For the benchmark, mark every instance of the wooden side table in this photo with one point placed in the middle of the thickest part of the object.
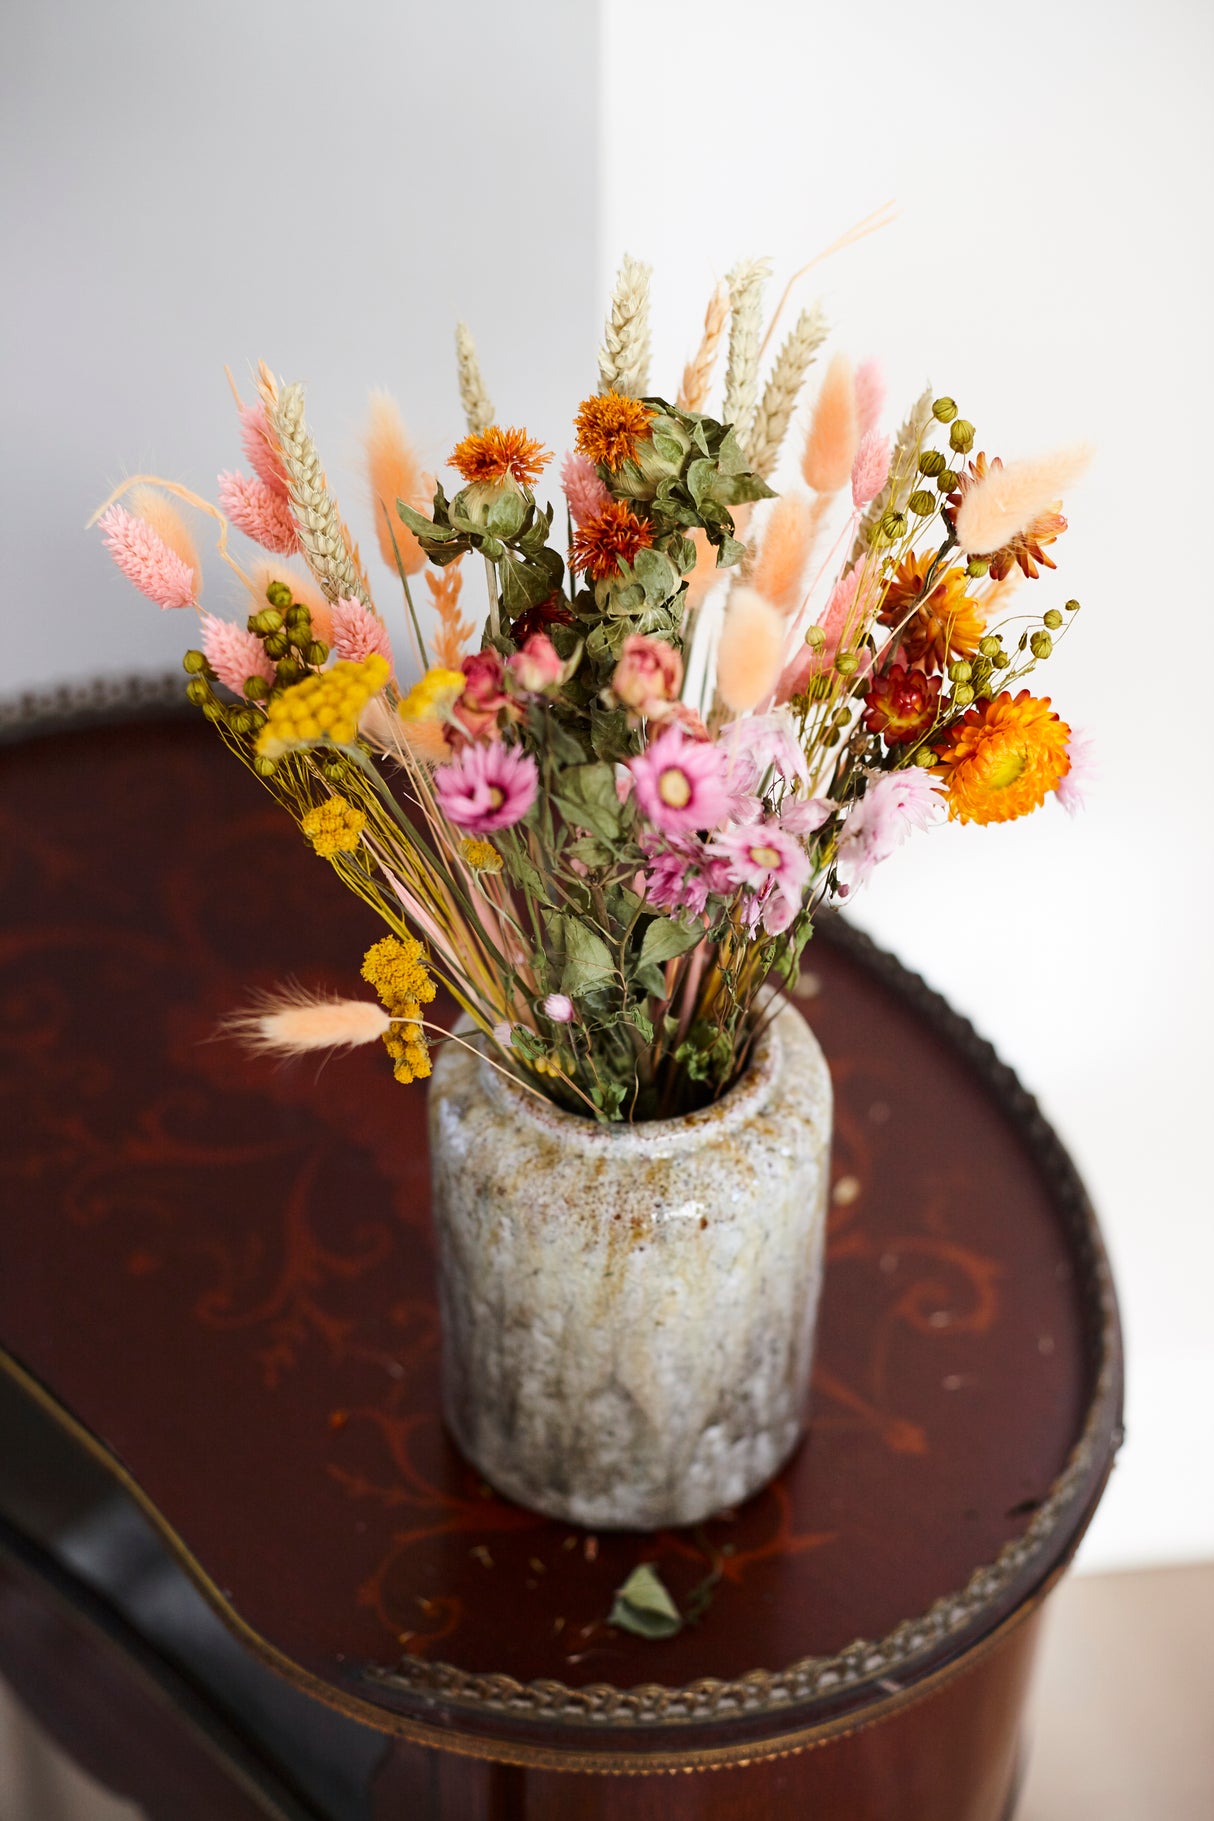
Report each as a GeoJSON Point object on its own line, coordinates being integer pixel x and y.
{"type": "Point", "coordinates": [220, 1341]}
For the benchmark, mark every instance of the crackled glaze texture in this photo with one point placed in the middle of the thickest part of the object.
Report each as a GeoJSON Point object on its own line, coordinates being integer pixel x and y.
{"type": "Point", "coordinates": [628, 1311]}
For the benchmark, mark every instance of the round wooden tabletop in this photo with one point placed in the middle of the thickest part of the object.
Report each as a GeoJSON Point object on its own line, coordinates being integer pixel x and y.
{"type": "Point", "coordinates": [218, 1273]}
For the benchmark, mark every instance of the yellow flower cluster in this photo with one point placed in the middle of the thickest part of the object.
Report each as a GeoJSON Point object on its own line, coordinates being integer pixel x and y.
{"type": "Point", "coordinates": [433, 696]}
{"type": "Point", "coordinates": [323, 709]}
{"type": "Point", "coordinates": [480, 855]}
{"type": "Point", "coordinates": [334, 826]}
{"type": "Point", "coordinates": [396, 968]}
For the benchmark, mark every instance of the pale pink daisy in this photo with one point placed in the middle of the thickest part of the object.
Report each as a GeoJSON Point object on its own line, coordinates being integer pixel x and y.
{"type": "Point", "coordinates": [895, 803]}
{"type": "Point", "coordinates": [487, 787]}
{"type": "Point", "coordinates": [1073, 789]}
{"type": "Point", "coordinates": [772, 862]}
{"type": "Point", "coordinates": [584, 488]}
{"type": "Point", "coordinates": [234, 653]}
{"type": "Point", "coordinates": [145, 559]}
{"type": "Point", "coordinates": [261, 449]}
{"type": "Point", "coordinates": [259, 512]}
{"type": "Point", "coordinates": [357, 632]}
{"type": "Point", "coordinates": [559, 1007]}
{"type": "Point", "coordinates": [680, 783]}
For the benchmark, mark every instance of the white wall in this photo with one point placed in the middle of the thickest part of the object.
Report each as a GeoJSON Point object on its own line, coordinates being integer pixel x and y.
{"type": "Point", "coordinates": [329, 187]}
{"type": "Point", "coordinates": [1050, 266]}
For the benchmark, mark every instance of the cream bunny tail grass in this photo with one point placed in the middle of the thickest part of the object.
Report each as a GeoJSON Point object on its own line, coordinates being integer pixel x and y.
{"type": "Point", "coordinates": [291, 1022]}
{"type": "Point", "coordinates": [624, 356]}
{"type": "Point", "coordinates": [478, 406]}
{"type": "Point", "coordinates": [1007, 499]}
{"type": "Point", "coordinates": [330, 552]}
{"type": "Point", "coordinates": [746, 286]}
{"type": "Point", "coordinates": [697, 374]}
{"type": "Point", "coordinates": [903, 473]}
{"type": "Point", "coordinates": [751, 650]}
{"type": "Point", "coordinates": [783, 389]}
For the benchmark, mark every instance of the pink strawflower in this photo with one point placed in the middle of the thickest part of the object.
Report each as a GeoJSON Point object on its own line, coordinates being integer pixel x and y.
{"type": "Point", "coordinates": [537, 666]}
{"type": "Point", "coordinates": [261, 449]}
{"type": "Point", "coordinates": [559, 1007]}
{"type": "Point", "coordinates": [869, 383]}
{"type": "Point", "coordinates": [895, 803]}
{"type": "Point", "coordinates": [584, 490]}
{"type": "Point", "coordinates": [772, 862]}
{"type": "Point", "coordinates": [234, 653]}
{"type": "Point", "coordinates": [682, 874]}
{"type": "Point", "coordinates": [357, 632]}
{"type": "Point", "coordinates": [870, 470]}
{"type": "Point", "coordinates": [487, 787]}
{"type": "Point", "coordinates": [680, 783]}
{"type": "Point", "coordinates": [1072, 791]}
{"type": "Point", "coordinates": [648, 676]}
{"type": "Point", "coordinates": [759, 744]}
{"type": "Point", "coordinates": [805, 815]}
{"type": "Point", "coordinates": [145, 559]}
{"type": "Point", "coordinates": [259, 512]}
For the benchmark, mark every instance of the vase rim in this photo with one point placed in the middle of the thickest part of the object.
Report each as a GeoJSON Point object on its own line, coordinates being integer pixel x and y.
{"type": "Point", "coordinates": [748, 1095]}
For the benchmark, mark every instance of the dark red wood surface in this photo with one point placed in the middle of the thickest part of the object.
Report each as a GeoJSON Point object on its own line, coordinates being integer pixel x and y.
{"type": "Point", "coordinates": [223, 1268]}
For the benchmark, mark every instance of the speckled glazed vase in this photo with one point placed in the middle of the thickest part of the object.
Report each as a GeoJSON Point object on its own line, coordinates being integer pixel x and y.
{"type": "Point", "coordinates": [628, 1311]}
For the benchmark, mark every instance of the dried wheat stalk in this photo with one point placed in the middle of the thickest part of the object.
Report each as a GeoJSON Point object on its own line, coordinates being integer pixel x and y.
{"type": "Point", "coordinates": [624, 356]}
{"type": "Point", "coordinates": [783, 388]}
{"type": "Point", "coordinates": [697, 374]}
{"type": "Point", "coordinates": [478, 407]}
{"type": "Point", "coordinates": [746, 283]}
{"type": "Point", "coordinates": [331, 553]}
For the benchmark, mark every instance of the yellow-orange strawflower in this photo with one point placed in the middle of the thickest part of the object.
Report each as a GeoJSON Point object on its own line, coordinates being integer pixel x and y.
{"type": "Point", "coordinates": [1002, 758]}
{"type": "Point", "coordinates": [609, 426]}
{"type": "Point", "coordinates": [943, 624]}
{"type": "Point", "coordinates": [498, 455]}
{"type": "Point", "coordinates": [611, 537]}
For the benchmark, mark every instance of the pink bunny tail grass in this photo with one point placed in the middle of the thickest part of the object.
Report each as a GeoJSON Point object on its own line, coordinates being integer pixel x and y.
{"type": "Point", "coordinates": [292, 1022]}
{"type": "Point", "coordinates": [162, 515]}
{"type": "Point", "coordinates": [834, 434]}
{"type": "Point", "coordinates": [303, 589]}
{"type": "Point", "coordinates": [784, 553]}
{"type": "Point", "coordinates": [869, 385]}
{"type": "Point", "coordinates": [750, 651]}
{"type": "Point", "coordinates": [259, 512]}
{"type": "Point", "coordinates": [261, 450]}
{"type": "Point", "coordinates": [145, 559]}
{"type": "Point", "coordinates": [870, 470]}
{"type": "Point", "coordinates": [393, 474]}
{"type": "Point", "coordinates": [234, 653]}
{"type": "Point", "coordinates": [840, 624]}
{"type": "Point", "coordinates": [583, 488]}
{"type": "Point", "coordinates": [1006, 500]}
{"type": "Point", "coordinates": [357, 632]}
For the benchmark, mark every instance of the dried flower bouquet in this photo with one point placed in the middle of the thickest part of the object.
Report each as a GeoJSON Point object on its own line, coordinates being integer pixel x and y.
{"type": "Point", "coordinates": [696, 712]}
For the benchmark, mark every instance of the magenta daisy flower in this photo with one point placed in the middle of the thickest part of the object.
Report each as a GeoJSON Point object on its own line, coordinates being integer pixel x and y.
{"type": "Point", "coordinates": [771, 862]}
{"type": "Point", "coordinates": [487, 787]}
{"type": "Point", "coordinates": [680, 783]}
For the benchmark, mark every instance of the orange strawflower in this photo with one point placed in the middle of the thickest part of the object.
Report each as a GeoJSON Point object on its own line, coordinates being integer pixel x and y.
{"type": "Point", "coordinates": [1028, 547]}
{"type": "Point", "coordinates": [495, 455]}
{"type": "Point", "coordinates": [609, 427]}
{"type": "Point", "coordinates": [613, 536]}
{"type": "Point", "coordinates": [1000, 760]}
{"type": "Point", "coordinates": [945, 623]}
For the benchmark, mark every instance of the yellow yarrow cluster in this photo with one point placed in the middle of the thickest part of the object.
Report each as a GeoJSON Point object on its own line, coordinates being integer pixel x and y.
{"type": "Point", "coordinates": [324, 709]}
{"type": "Point", "coordinates": [396, 968]}
{"type": "Point", "coordinates": [480, 855]}
{"type": "Point", "coordinates": [433, 696]}
{"type": "Point", "coordinates": [334, 826]}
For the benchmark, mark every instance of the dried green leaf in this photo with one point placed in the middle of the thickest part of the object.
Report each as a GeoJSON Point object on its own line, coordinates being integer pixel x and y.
{"type": "Point", "coordinates": [643, 1606]}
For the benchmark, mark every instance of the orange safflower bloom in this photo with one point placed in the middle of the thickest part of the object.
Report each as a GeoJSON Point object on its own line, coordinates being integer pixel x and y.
{"type": "Point", "coordinates": [609, 426]}
{"type": "Point", "coordinates": [1002, 758]}
{"type": "Point", "coordinates": [1028, 547]}
{"type": "Point", "coordinates": [945, 623]}
{"type": "Point", "coordinates": [495, 455]}
{"type": "Point", "coordinates": [611, 537]}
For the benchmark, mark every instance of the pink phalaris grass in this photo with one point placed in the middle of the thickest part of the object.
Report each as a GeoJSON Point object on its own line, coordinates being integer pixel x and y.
{"type": "Point", "coordinates": [788, 538]}
{"type": "Point", "coordinates": [235, 653]}
{"type": "Point", "coordinates": [869, 387]}
{"type": "Point", "coordinates": [393, 473]}
{"type": "Point", "coordinates": [840, 625]}
{"type": "Point", "coordinates": [834, 433]}
{"type": "Point", "coordinates": [357, 632]}
{"type": "Point", "coordinates": [750, 651]}
{"type": "Point", "coordinates": [291, 1022]}
{"type": "Point", "coordinates": [584, 489]}
{"type": "Point", "coordinates": [870, 470]}
{"type": "Point", "coordinates": [259, 512]}
{"type": "Point", "coordinates": [261, 450]}
{"type": "Point", "coordinates": [1007, 499]}
{"type": "Point", "coordinates": [146, 559]}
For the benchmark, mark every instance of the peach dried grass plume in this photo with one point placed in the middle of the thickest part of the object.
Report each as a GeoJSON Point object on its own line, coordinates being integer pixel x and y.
{"type": "Point", "coordinates": [393, 473]}
{"type": "Point", "coordinates": [292, 1021]}
{"type": "Point", "coordinates": [1007, 500]}
{"type": "Point", "coordinates": [750, 652]}
{"type": "Point", "coordinates": [784, 553]}
{"type": "Point", "coordinates": [453, 630]}
{"type": "Point", "coordinates": [834, 432]}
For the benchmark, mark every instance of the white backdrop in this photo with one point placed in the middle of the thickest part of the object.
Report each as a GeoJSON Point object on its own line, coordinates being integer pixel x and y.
{"type": "Point", "coordinates": [331, 187]}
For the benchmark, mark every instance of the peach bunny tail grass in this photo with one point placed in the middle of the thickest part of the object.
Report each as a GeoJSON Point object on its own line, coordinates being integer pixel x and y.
{"type": "Point", "coordinates": [834, 432]}
{"type": "Point", "coordinates": [158, 512]}
{"type": "Point", "coordinates": [1006, 500]}
{"type": "Point", "coordinates": [787, 541]}
{"type": "Point", "coordinates": [393, 473]}
{"type": "Point", "coordinates": [749, 655]}
{"type": "Point", "coordinates": [293, 1022]}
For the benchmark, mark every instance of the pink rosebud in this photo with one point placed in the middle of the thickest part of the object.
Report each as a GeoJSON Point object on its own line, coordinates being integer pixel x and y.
{"type": "Point", "coordinates": [538, 665]}
{"type": "Point", "coordinates": [559, 1007]}
{"type": "Point", "coordinates": [648, 676]}
{"type": "Point", "coordinates": [483, 698]}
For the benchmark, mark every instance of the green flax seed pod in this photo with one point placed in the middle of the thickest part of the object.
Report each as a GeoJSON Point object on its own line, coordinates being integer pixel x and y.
{"type": "Point", "coordinates": [961, 436]}
{"type": "Point", "coordinates": [198, 691]}
{"type": "Point", "coordinates": [194, 663]}
{"type": "Point", "coordinates": [963, 695]}
{"type": "Point", "coordinates": [990, 645]}
{"type": "Point", "coordinates": [930, 463]}
{"type": "Point", "coordinates": [921, 503]}
{"type": "Point", "coordinates": [256, 689]}
{"type": "Point", "coordinates": [960, 671]}
{"type": "Point", "coordinates": [289, 672]}
{"type": "Point", "coordinates": [1071, 606]}
{"type": "Point", "coordinates": [279, 595]}
{"type": "Point", "coordinates": [944, 410]}
{"type": "Point", "coordinates": [891, 528]}
{"type": "Point", "coordinates": [316, 653]}
{"type": "Point", "coordinates": [299, 623]}
{"type": "Point", "coordinates": [976, 567]}
{"type": "Point", "coordinates": [815, 638]}
{"type": "Point", "coordinates": [265, 768]}
{"type": "Point", "coordinates": [947, 479]}
{"type": "Point", "coordinates": [1041, 644]}
{"type": "Point", "coordinates": [277, 644]}
{"type": "Point", "coordinates": [1053, 619]}
{"type": "Point", "coordinates": [1001, 660]}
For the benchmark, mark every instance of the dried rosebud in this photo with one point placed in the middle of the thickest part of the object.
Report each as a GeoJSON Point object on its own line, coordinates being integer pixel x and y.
{"type": "Point", "coordinates": [538, 665]}
{"type": "Point", "coordinates": [901, 705]}
{"type": "Point", "coordinates": [483, 698]}
{"type": "Point", "coordinates": [648, 676]}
